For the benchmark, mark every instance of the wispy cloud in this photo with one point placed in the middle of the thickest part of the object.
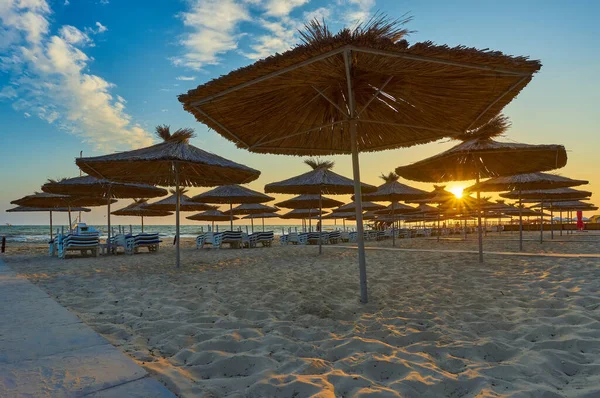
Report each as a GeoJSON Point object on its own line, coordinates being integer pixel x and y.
{"type": "Point", "coordinates": [214, 26]}
{"type": "Point", "coordinates": [48, 74]}
{"type": "Point", "coordinates": [187, 78]}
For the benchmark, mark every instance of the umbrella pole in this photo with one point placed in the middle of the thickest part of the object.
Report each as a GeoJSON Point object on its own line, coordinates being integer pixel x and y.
{"type": "Point", "coordinates": [520, 223]}
{"type": "Point", "coordinates": [393, 225]}
{"type": "Point", "coordinates": [230, 216]}
{"type": "Point", "coordinates": [263, 223]}
{"type": "Point", "coordinates": [479, 231]}
{"type": "Point", "coordinates": [438, 225]}
{"type": "Point", "coordinates": [108, 221]}
{"type": "Point", "coordinates": [561, 225]}
{"type": "Point", "coordinates": [50, 224]}
{"type": "Point", "coordinates": [344, 223]}
{"type": "Point", "coordinates": [320, 229]}
{"type": "Point", "coordinates": [142, 224]}
{"type": "Point", "coordinates": [177, 205]}
{"type": "Point", "coordinates": [542, 223]}
{"type": "Point", "coordinates": [551, 221]}
{"type": "Point", "coordinates": [69, 208]}
{"type": "Point", "coordinates": [252, 224]}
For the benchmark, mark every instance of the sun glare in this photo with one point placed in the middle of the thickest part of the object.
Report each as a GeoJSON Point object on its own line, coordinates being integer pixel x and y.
{"type": "Point", "coordinates": [457, 191]}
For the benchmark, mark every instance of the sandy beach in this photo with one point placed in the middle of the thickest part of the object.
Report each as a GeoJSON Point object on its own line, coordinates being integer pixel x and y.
{"type": "Point", "coordinates": [286, 322]}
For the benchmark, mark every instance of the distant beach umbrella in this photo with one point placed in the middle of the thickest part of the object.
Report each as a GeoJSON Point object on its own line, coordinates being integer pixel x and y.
{"type": "Point", "coordinates": [396, 208]}
{"type": "Point", "coordinates": [302, 214]}
{"type": "Point", "coordinates": [309, 201]}
{"type": "Point", "coordinates": [480, 156]}
{"type": "Point", "coordinates": [319, 181]}
{"type": "Point", "coordinates": [212, 215]}
{"type": "Point", "coordinates": [524, 182]}
{"type": "Point", "coordinates": [360, 90]}
{"type": "Point", "coordinates": [232, 194]}
{"type": "Point", "coordinates": [346, 215]}
{"type": "Point", "coordinates": [24, 209]}
{"type": "Point", "coordinates": [50, 200]}
{"type": "Point", "coordinates": [351, 207]}
{"type": "Point", "coordinates": [251, 209]}
{"type": "Point", "coordinates": [262, 216]}
{"type": "Point", "coordinates": [96, 187]}
{"type": "Point", "coordinates": [173, 162]}
{"type": "Point", "coordinates": [138, 209]}
{"type": "Point", "coordinates": [185, 203]}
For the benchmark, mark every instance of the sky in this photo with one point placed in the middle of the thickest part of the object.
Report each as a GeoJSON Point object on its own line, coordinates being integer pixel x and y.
{"type": "Point", "coordinates": [98, 75]}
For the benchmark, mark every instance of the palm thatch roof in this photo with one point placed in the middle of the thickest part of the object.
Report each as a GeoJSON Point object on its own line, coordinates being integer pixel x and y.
{"type": "Point", "coordinates": [349, 207]}
{"type": "Point", "coordinates": [480, 156]}
{"type": "Point", "coordinates": [23, 209]}
{"type": "Point", "coordinates": [138, 209]}
{"type": "Point", "coordinates": [397, 208]}
{"type": "Point", "coordinates": [261, 215]}
{"type": "Point", "coordinates": [251, 208]}
{"type": "Point", "coordinates": [309, 202]}
{"type": "Point", "coordinates": [319, 180]}
{"type": "Point", "coordinates": [392, 190]}
{"type": "Point", "coordinates": [232, 194]}
{"type": "Point", "coordinates": [185, 203]}
{"type": "Point", "coordinates": [525, 182]}
{"type": "Point", "coordinates": [346, 214]}
{"type": "Point", "coordinates": [92, 186]}
{"type": "Point", "coordinates": [438, 195]}
{"type": "Point", "coordinates": [157, 164]}
{"type": "Point", "coordinates": [425, 209]}
{"type": "Point", "coordinates": [570, 205]}
{"type": "Point", "coordinates": [302, 213]}
{"type": "Point", "coordinates": [211, 215]}
{"type": "Point", "coordinates": [297, 102]}
{"type": "Point", "coordinates": [548, 194]}
{"type": "Point", "coordinates": [48, 200]}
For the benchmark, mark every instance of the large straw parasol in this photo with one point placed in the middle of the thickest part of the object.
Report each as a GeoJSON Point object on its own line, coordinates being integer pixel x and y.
{"type": "Point", "coordinates": [251, 209]}
{"type": "Point", "coordinates": [173, 162]}
{"type": "Point", "coordinates": [232, 194]}
{"type": "Point", "coordinates": [393, 191]}
{"type": "Point", "coordinates": [362, 89]}
{"type": "Point", "coordinates": [185, 203]}
{"type": "Point", "coordinates": [139, 209]}
{"type": "Point", "coordinates": [320, 180]}
{"type": "Point", "coordinates": [523, 182]}
{"type": "Point", "coordinates": [96, 187]}
{"type": "Point", "coordinates": [262, 216]}
{"type": "Point", "coordinates": [211, 215]}
{"type": "Point", "coordinates": [50, 200]}
{"type": "Point", "coordinates": [480, 156]}
{"type": "Point", "coordinates": [23, 209]}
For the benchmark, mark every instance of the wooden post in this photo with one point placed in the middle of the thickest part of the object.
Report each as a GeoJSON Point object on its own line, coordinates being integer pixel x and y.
{"type": "Point", "coordinates": [177, 205]}
{"type": "Point", "coordinates": [542, 223]}
{"type": "Point", "coordinates": [439, 232]}
{"type": "Point", "coordinates": [263, 224]}
{"type": "Point", "coordinates": [479, 231]}
{"type": "Point", "coordinates": [520, 223]}
{"type": "Point", "coordinates": [51, 225]}
{"type": "Point", "coordinates": [108, 244]}
{"type": "Point", "coordinates": [551, 221]}
{"type": "Point", "coordinates": [252, 223]}
{"type": "Point", "coordinates": [561, 223]}
{"type": "Point", "coordinates": [320, 229]}
{"type": "Point", "coordinates": [69, 208]}
{"type": "Point", "coordinates": [362, 263]}
{"type": "Point", "coordinates": [393, 224]}
{"type": "Point", "coordinates": [3, 245]}
{"type": "Point", "coordinates": [230, 216]}
{"type": "Point", "coordinates": [142, 224]}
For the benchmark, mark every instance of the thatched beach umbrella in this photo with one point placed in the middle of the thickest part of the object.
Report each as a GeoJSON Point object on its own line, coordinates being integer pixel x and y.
{"type": "Point", "coordinates": [339, 215]}
{"type": "Point", "coordinates": [547, 196]}
{"type": "Point", "coordinates": [350, 207]}
{"type": "Point", "coordinates": [232, 194]}
{"type": "Point", "coordinates": [96, 187]}
{"type": "Point", "coordinates": [252, 209]}
{"type": "Point", "coordinates": [138, 209]}
{"type": "Point", "coordinates": [185, 203]}
{"type": "Point", "coordinates": [309, 201]}
{"type": "Point", "coordinates": [173, 162]}
{"type": "Point", "coordinates": [212, 215]}
{"type": "Point", "coordinates": [568, 206]}
{"type": "Point", "coordinates": [262, 216]}
{"type": "Point", "coordinates": [321, 180]}
{"type": "Point", "coordinates": [24, 209]}
{"type": "Point", "coordinates": [524, 182]}
{"type": "Point", "coordinates": [393, 191]}
{"type": "Point", "coordinates": [480, 156]}
{"type": "Point", "coordinates": [50, 200]}
{"type": "Point", "coordinates": [362, 89]}
{"type": "Point", "coordinates": [302, 214]}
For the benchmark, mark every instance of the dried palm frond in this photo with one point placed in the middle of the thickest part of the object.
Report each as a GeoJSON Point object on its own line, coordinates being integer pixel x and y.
{"type": "Point", "coordinates": [390, 177]}
{"type": "Point", "coordinates": [494, 128]}
{"type": "Point", "coordinates": [319, 164]}
{"type": "Point", "coordinates": [181, 191]}
{"type": "Point", "coordinates": [180, 135]}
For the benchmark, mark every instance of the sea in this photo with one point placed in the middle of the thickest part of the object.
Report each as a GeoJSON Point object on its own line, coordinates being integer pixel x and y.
{"type": "Point", "coordinates": [41, 233]}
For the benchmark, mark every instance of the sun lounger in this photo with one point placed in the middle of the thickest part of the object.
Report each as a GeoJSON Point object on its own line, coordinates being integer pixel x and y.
{"type": "Point", "coordinates": [264, 238]}
{"type": "Point", "coordinates": [334, 237]}
{"type": "Point", "coordinates": [209, 238]}
{"type": "Point", "coordinates": [81, 243]}
{"type": "Point", "coordinates": [134, 243]}
{"type": "Point", "coordinates": [234, 238]}
{"type": "Point", "coordinates": [345, 236]}
{"type": "Point", "coordinates": [295, 238]}
{"type": "Point", "coordinates": [313, 238]}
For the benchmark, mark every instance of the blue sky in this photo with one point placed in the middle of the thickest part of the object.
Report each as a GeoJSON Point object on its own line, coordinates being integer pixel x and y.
{"type": "Point", "coordinates": [98, 75]}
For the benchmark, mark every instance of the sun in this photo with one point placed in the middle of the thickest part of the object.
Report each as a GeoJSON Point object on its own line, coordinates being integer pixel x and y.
{"type": "Point", "coordinates": [457, 191]}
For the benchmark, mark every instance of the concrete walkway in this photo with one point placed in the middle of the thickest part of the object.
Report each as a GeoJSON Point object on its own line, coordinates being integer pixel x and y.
{"type": "Point", "coordinates": [46, 351]}
{"type": "Point", "coordinates": [514, 254]}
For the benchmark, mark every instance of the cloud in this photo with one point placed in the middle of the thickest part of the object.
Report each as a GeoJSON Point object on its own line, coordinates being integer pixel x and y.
{"type": "Point", "coordinates": [187, 78]}
{"type": "Point", "coordinates": [50, 74]}
{"type": "Point", "coordinates": [66, 3]}
{"type": "Point", "coordinates": [100, 28]}
{"type": "Point", "coordinates": [214, 26]}
{"type": "Point", "coordinates": [27, 114]}
{"type": "Point", "coordinates": [212, 31]}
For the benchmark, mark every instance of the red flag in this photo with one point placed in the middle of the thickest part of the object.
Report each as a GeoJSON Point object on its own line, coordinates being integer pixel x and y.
{"type": "Point", "coordinates": [580, 225]}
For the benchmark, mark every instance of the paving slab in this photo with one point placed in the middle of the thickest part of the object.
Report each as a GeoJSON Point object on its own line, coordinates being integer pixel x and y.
{"type": "Point", "coordinates": [46, 351]}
